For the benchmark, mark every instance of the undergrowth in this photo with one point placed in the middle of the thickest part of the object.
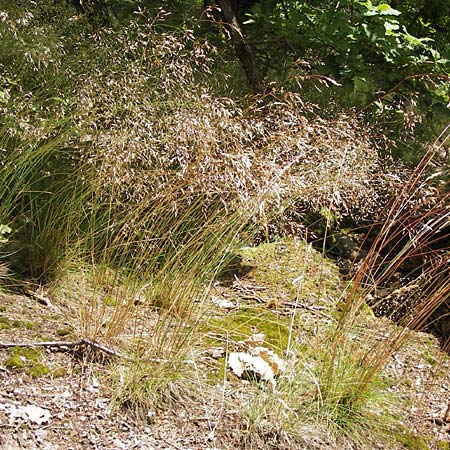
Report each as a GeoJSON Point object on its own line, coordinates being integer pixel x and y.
{"type": "Point", "coordinates": [334, 383]}
{"type": "Point", "coordinates": [130, 185]}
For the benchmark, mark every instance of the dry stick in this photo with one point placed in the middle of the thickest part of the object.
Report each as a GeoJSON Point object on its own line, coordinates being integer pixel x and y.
{"type": "Point", "coordinates": [248, 287]}
{"type": "Point", "coordinates": [66, 344]}
{"type": "Point", "coordinates": [308, 308]}
{"type": "Point", "coordinates": [55, 344]}
{"type": "Point", "coordinates": [408, 77]}
{"type": "Point", "coordinates": [79, 343]}
{"type": "Point", "coordinates": [41, 299]}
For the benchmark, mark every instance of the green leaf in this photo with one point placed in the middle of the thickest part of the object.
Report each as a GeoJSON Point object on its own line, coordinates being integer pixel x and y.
{"type": "Point", "coordinates": [391, 27]}
{"type": "Point", "coordinates": [367, 31]}
{"type": "Point", "coordinates": [385, 10]}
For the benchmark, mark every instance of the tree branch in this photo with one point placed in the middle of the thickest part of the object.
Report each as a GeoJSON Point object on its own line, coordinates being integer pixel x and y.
{"type": "Point", "coordinates": [66, 345]}
{"type": "Point", "coordinates": [397, 85]}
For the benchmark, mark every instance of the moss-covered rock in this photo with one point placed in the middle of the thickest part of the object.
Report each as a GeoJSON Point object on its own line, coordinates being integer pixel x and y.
{"type": "Point", "coordinates": [292, 268]}
{"type": "Point", "coordinates": [282, 273]}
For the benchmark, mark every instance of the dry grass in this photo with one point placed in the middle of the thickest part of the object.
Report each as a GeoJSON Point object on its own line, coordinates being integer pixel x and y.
{"type": "Point", "coordinates": [408, 233]}
{"type": "Point", "coordinates": [131, 204]}
{"type": "Point", "coordinates": [334, 383]}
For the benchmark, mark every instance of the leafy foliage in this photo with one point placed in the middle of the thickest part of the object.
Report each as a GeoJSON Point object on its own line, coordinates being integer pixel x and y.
{"type": "Point", "coordinates": [390, 60]}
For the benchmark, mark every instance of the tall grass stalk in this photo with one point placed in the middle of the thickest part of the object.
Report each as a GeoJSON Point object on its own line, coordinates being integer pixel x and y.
{"type": "Point", "coordinates": [407, 234]}
{"type": "Point", "coordinates": [43, 198]}
{"type": "Point", "coordinates": [334, 379]}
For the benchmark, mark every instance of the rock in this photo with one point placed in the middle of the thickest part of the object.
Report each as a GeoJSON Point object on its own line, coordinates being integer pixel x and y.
{"type": "Point", "coordinates": [29, 413]}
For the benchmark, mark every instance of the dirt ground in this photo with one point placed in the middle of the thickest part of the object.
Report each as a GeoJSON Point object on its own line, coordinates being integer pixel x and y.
{"type": "Point", "coordinates": [58, 400]}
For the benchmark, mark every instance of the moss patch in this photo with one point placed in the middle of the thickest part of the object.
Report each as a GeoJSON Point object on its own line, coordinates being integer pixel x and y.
{"type": "Point", "coordinates": [412, 441]}
{"type": "Point", "coordinates": [27, 359]}
{"type": "Point", "coordinates": [241, 324]}
{"type": "Point", "coordinates": [292, 268]}
{"type": "Point", "coordinates": [22, 357]}
{"type": "Point", "coordinates": [59, 372]}
{"type": "Point", "coordinates": [6, 324]}
{"type": "Point", "coordinates": [23, 324]}
{"type": "Point", "coordinates": [15, 362]}
{"type": "Point", "coordinates": [429, 358]}
{"type": "Point", "coordinates": [38, 370]}
{"type": "Point", "coordinates": [63, 332]}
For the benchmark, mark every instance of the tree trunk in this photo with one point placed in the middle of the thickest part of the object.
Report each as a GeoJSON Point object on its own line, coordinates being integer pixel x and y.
{"type": "Point", "coordinates": [243, 50]}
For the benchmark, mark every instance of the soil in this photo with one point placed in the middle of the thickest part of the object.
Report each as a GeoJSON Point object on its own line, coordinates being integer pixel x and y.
{"type": "Point", "coordinates": [61, 400]}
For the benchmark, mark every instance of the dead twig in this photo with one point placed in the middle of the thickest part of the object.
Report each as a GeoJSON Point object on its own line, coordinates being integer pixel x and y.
{"type": "Point", "coordinates": [66, 345]}
{"type": "Point", "coordinates": [252, 297]}
{"type": "Point", "coordinates": [49, 344]}
{"type": "Point", "coordinates": [248, 292]}
{"type": "Point", "coordinates": [313, 309]}
{"type": "Point", "coordinates": [41, 299]}
{"type": "Point", "coordinates": [247, 287]}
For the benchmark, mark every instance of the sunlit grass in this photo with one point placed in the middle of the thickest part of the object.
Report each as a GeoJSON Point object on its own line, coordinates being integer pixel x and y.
{"type": "Point", "coordinates": [128, 205]}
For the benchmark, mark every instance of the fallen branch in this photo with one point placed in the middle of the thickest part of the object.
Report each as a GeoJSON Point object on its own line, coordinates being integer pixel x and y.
{"type": "Point", "coordinates": [66, 345]}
